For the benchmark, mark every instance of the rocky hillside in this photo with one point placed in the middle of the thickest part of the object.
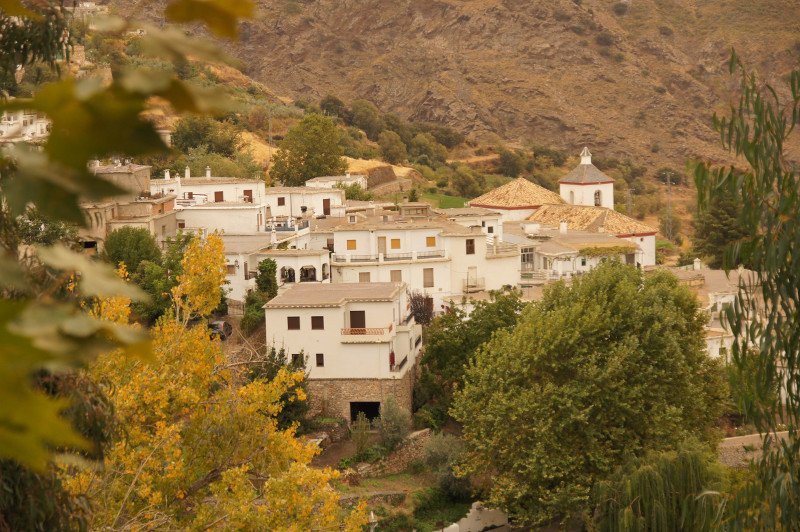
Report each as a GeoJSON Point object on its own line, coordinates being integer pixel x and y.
{"type": "Point", "coordinates": [635, 79]}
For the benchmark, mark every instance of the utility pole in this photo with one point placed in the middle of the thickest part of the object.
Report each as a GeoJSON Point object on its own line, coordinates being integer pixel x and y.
{"type": "Point", "coordinates": [669, 207]}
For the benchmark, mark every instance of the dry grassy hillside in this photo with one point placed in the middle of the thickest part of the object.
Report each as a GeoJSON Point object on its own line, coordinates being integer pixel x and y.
{"type": "Point", "coordinates": [552, 72]}
{"type": "Point", "coordinates": [560, 73]}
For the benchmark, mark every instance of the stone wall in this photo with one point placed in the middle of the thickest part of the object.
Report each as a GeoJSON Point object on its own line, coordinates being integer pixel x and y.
{"type": "Point", "coordinates": [332, 397]}
{"type": "Point", "coordinates": [411, 450]}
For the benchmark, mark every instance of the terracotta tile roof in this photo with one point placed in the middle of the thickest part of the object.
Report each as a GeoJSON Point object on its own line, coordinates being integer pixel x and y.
{"type": "Point", "coordinates": [517, 194]}
{"type": "Point", "coordinates": [585, 174]}
{"type": "Point", "coordinates": [590, 219]}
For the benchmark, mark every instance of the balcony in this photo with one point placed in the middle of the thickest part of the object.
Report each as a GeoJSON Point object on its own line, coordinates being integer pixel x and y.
{"type": "Point", "coordinates": [436, 253]}
{"type": "Point", "coordinates": [398, 367]}
{"type": "Point", "coordinates": [474, 285]}
{"type": "Point", "coordinates": [388, 257]}
{"type": "Point", "coordinates": [366, 335]}
{"type": "Point", "coordinates": [398, 256]}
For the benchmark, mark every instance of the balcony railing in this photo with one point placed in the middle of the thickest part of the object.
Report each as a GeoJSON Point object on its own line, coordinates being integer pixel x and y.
{"type": "Point", "coordinates": [398, 367]}
{"type": "Point", "coordinates": [398, 256]}
{"type": "Point", "coordinates": [363, 331]}
{"type": "Point", "coordinates": [363, 258]}
{"type": "Point", "coordinates": [474, 285]}
{"type": "Point", "coordinates": [430, 254]}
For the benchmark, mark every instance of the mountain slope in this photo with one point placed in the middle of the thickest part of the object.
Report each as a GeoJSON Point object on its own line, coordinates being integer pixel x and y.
{"type": "Point", "coordinates": [560, 73]}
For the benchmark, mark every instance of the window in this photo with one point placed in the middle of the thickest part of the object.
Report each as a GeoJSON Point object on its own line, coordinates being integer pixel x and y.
{"type": "Point", "coordinates": [395, 243]}
{"type": "Point", "coordinates": [281, 202]}
{"type": "Point", "coordinates": [427, 277]}
{"type": "Point", "coordinates": [483, 224]}
{"type": "Point", "coordinates": [351, 245]}
{"type": "Point", "coordinates": [583, 261]}
{"type": "Point", "coordinates": [363, 277]}
{"type": "Point", "coordinates": [231, 269]}
{"type": "Point", "coordinates": [351, 219]}
{"type": "Point", "coordinates": [181, 225]}
{"type": "Point", "coordinates": [297, 359]}
{"type": "Point", "coordinates": [190, 195]}
{"type": "Point", "coordinates": [430, 241]}
{"type": "Point", "coordinates": [470, 246]}
{"type": "Point", "coordinates": [597, 199]}
{"type": "Point", "coordinates": [317, 323]}
{"type": "Point", "coordinates": [218, 196]}
{"type": "Point", "coordinates": [248, 196]}
{"type": "Point", "coordinates": [163, 230]}
{"type": "Point", "coordinates": [490, 229]}
{"type": "Point", "coordinates": [320, 360]}
{"type": "Point", "coordinates": [396, 276]}
{"type": "Point", "coordinates": [293, 323]}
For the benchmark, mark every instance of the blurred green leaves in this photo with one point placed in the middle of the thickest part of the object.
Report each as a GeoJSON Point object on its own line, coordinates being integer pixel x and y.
{"type": "Point", "coordinates": [91, 119]}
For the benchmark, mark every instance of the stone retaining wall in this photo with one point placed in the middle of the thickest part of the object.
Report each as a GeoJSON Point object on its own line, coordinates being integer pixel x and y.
{"type": "Point", "coordinates": [411, 450]}
{"type": "Point", "coordinates": [332, 397]}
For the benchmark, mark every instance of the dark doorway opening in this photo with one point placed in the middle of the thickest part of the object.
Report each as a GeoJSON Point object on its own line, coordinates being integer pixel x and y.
{"type": "Point", "coordinates": [371, 409]}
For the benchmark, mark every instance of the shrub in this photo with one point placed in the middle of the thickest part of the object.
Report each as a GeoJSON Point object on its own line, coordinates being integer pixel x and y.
{"type": "Point", "coordinates": [393, 425]}
{"type": "Point", "coordinates": [604, 39]}
{"type": "Point", "coordinates": [620, 8]}
{"type": "Point", "coordinates": [132, 245]}
{"type": "Point", "coordinates": [393, 150]}
{"type": "Point", "coordinates": [253, 311]}
{"type": "Point", "coordinates": [359, 433]}
{"type": "Point", "coordinates": [441, 454]}
{"type": "Point", "coordinates": [666, 31]}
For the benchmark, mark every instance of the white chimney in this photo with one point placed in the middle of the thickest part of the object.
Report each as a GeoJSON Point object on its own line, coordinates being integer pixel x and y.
{"type": "Point", "coordinates": [117, 162]}
{"type": "Point", "coordinates": [697, 264]}
{"type": "Point", "coordinates": [562, 228]}
{"type": "Point", "coordinates": [186, 172]}
{"type": "Point", "coordinates": [208, 172]}
{"type": "Point", "coordinates": [586, 157]}
{"type": "Point", "coordinates": [166, 174]}
{"type": "Point", "coordinates": [347, 175]}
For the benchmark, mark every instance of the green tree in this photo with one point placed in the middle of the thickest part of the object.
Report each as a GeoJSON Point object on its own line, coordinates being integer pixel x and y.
{"type": "Point", "coordinates": [764, 318]}
{"type": "Point", "coordinates": [663, 491]}
{"type": "Point", "coordinates": [333, 106]}
{"type": "Point", "coordinates": [393, 150]}
{"type": "Point", "coordinates": [267, 278]}
{"type": "Point", "coordinates": [401, 127]}
{"type": "Point", "coordinates": [367, 117]}
{"type": "Point", "coordinates": [450, 343]}
{"type": "Point", "coordinates": [310, 149]}
{"type": "Point", "coordinates": [393, 425]}
{"type": "Point", "coordinates": [717, 228]}
{"type": "Point", "coordinates": [670, 226]}
{"type": "Point", "coordinates": [354, 191]}
{"type": "Point", "coordinates": [194, 131]}
{"type": "Point", "coordinates": [253, 316]}
{"type": "Point", "coordinates": [466, 181]}
{"type": "Point", "coordinates": [425, 150]}
{"type": "Point", "coordinates": [131, 245]}
{"type": "Point", "coordinates": [158, 279]}
{"type": "Point", "coordinates": [594, 374]}
{"type": "Point", "coordinates": [510, 163]}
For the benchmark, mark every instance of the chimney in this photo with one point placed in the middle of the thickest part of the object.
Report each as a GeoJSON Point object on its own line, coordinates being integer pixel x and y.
{"type": "Point", "coordinates": [208, 172]}
{"type": "Point", "coordinates": [186, 172]}
{"type": "Point", "coordinates": [697, 264]}
{"type": "Point", "coordinates": [562, 228]}
{"type": "Point", "coordinates": [117, 162]}
{"type": "Point", "coordinates": [166, 174]}
{"type": "Point", "coordinates": [586, 157]}
{"type": "Point", "coordinates": [347, 175]}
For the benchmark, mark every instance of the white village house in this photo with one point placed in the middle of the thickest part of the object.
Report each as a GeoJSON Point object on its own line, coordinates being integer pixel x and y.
{"type": "Point", "coordinates": [359, 341]}
{"type": "Point", "coordinates": [586, 185]}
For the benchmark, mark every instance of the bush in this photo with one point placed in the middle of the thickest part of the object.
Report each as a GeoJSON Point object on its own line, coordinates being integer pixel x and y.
{"type": "Point", "coordinates": [132, 245]}
{"type": "Point", "coordinates": [620, 8]}
{"type": "Point", "coordinates": [441, 454]}
{"type": "Point", "coordinates": [253, 312]}
{"type": "Point", "coordinates": [359, 433]}
{"type": "Point", "coordinates": [393, 150]}
{"type": "Point", "coordinates": [666, 31]}
{"type": "Point", "coordinates": [604, 39]}
{"type": "Point", "coordinates": [393, 425]}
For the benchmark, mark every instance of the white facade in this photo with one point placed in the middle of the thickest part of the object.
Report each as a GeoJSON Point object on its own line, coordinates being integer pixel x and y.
{"type": "Point", "coordinates": [293, 266]}
{"type": "Point", "coordinates": [490, 222]}
{"type": "Point", "coordinates": [236, 218]}
{"type": "Point", "coordinates": [363, 332]}
{"type": "Point", "coordinates": [439, 259]}
{"type": "Point", "coordinates": [23, 126]}
{"type": "Point", "coordinates": [647, 245]}
{"type": "Point", "coordinates": [338, 180]}
{"type": "Point", "coordinates": [590, 194]}
{"type": "Point", "coordinates": [295, 202]}
{"type": "Point", "coordinates": [208, 189]}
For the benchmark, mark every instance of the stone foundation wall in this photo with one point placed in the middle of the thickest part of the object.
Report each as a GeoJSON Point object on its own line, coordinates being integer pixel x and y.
{"type": "Point", "coordinates": [332, 397]}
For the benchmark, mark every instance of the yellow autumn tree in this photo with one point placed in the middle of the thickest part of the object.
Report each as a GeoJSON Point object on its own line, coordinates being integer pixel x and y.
{"type": "Point", "coordinates": [199, 286]}
{"type": "Point", "coordinates": [198, 446]}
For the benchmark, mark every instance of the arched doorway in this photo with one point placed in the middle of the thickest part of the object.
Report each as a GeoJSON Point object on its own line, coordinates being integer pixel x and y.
{"type": "Point", "coordinates": [287, 275]}
{"type": "Point", "coordinates": [597, 199]}
{"type": "Point", "coordinates": [308, 274]}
